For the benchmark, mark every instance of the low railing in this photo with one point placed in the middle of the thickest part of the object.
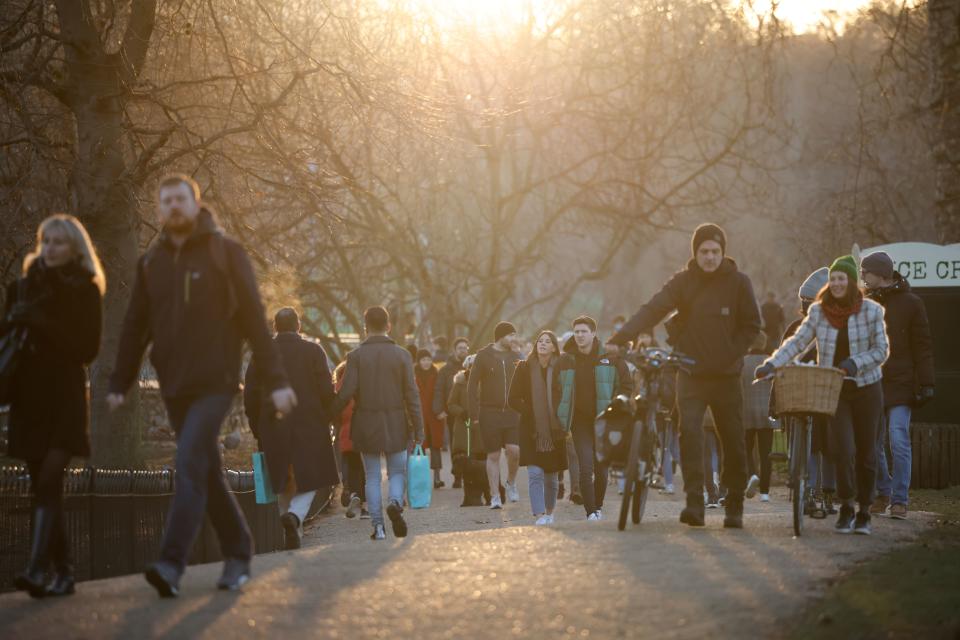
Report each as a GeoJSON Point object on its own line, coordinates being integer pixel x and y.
{"type": "Point", "coordinates": [115, 520]}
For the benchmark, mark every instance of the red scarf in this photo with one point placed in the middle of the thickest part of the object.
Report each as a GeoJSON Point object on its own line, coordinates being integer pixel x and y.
{"type": "Point", "coordinates": [838, 315]}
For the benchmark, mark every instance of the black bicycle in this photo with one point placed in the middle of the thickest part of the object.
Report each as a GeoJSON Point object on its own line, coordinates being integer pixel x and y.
{"type": "Point", "coordinates": [620, 424]}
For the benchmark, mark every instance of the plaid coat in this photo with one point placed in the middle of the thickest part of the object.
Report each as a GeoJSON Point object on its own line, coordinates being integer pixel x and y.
{"type": "Point", "coordinates": [756, 397]}
{"type": "Point", "coordinates": [869, 347]}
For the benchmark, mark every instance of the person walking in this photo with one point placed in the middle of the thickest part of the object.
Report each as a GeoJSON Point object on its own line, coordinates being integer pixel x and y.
{"type": "Point", "coordinates": [298, 448]}
{"type": "Point", "coordinates": [717, 321]}
{"type": "Point", "coordinates": [756, 421]}
{"type": "Point", "coordinates": [195, 299]}
{"type": "Point", "coordinates": [354, 494]}
{"type": "Point", "coordinates": [386, 416]}
{"type": "Point", "coordinates": [589, 380]}
{"type": "Point", "coordinates": [773, 321]}
{"type": "Point", "coordinates": [488, 390]}
{"type": "Point", "coordinates": [441, 395]}
{"type": "Point", "coordinates": [535, 394]}
{"type": "Point", "coordinates": [426, 377]}
{"type": "Point", "coordinates": [58, 302]}
{"type": "Point", "coordinates": [850, 334]}
{"type": "Point", "coordinates": [908, 377]}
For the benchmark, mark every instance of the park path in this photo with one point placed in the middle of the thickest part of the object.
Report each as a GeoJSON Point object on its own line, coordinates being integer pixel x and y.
{"type": "Point", "coordinates": [476, 573]}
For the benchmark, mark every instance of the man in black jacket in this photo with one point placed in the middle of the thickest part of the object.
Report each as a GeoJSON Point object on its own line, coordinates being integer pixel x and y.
{"type": "Point", "coordinates": [487, 392]}
{"type": "Point", "coordinates": [195, 299]}
{"type": "Point", "coordinates": [301, 441]}
{"type": "Point", "coordinates": [387, 416]}
{"type": "Point", "coordinates": [441, 394]}
{"type": "Point", "coordinates": [908, 376]}
{"type": "Point", "coordinates": [717, 322]}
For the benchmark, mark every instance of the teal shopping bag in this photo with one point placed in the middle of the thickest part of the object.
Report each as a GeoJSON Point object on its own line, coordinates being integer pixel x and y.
{"type": "Point", "coordinates": [419, 480]}
{"type": "Point", "coordinates": [261, 479]}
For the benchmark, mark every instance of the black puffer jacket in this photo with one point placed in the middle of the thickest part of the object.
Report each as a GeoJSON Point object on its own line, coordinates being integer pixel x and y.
{"type": "Point", "coordinates": [910, 365]}
{"type": "Point", "coordinates": [49, 400]}
{"type": "Point", "coordinates": [196, 304]}
{"type": "Point", "coordinates": [718, 317]}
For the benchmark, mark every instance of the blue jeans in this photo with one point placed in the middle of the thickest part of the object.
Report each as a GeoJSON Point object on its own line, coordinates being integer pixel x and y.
{"type": "Point", "coordinates": [671, 452]}
{"type": "Point", "coordinates": [200, 485]}
{"type": "Point", "coordinates": [396, 481]}
{"type": "Point", "coordinates": [895, 486]}
{"type": "Point", "coordinates": [543, 490]}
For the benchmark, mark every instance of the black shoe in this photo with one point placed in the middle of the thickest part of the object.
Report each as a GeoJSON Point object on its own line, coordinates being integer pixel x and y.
{"type": "Point", "coordinates": [395, 513]}
{"type": "Point", "coordinates": [345, 498]}
{"type": "Point", "coordinates": [439, 484]}
{"type": "Point", "coordinates": [164, 578]}
{"type": "Point", "coordinates": [62, 584]}
{"type": "Point", "coordinates": [734, 515]}
{"type": "Point", "coordinates": [693, 514]}
{"type": "Point", "coordinates": [291, 531]}
{"type": "Point", "coordinates": [861, 525]}
{"type": "Point", "coordinates": [844, 520]}
{"type": "Point", "coordinates": [353, 506]}
{"type": "Point", "coordinates": [236, 573]}
{"type": "Point", "coordinates": [576, 498]}
{"type": "Point", "coordinates": [34, 579]}
{"type": "Point", "coordinates": [561, 491]}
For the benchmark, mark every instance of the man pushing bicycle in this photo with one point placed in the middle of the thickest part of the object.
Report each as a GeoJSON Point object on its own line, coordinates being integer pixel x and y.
{"type": "Point", "coordinates": [717, 320]}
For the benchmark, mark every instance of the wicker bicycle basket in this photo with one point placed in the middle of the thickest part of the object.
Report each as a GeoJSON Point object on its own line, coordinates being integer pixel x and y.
{"type": "Point", "coordinates": [808, 389]}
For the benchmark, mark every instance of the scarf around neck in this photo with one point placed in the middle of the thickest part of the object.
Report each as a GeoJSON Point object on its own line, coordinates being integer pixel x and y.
{"type": "Point", "coordinates": [838, 315]}
{"type": "Point", "coordinates": [545, 419]}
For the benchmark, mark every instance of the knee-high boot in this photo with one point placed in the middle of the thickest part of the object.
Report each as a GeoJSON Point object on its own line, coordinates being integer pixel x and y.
{"type": "Point", "coordinates": [63, 579]}
{"type": "Point", "coordinates": [34, 579]}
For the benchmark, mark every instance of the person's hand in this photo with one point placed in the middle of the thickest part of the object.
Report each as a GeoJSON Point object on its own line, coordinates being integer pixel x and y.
{"type": "Point", "coordinates": [763, 371]}
{"type": "Point", "coordinates": [284, 400]}
{"type": "Point", "coordinates": [115, 401]}
{"type": "Point", "coordinates": [850, 367]}
{"type": "Point", "coordinates": [926, 395]}
{"type": "Point", "coordinates": [442, 415]}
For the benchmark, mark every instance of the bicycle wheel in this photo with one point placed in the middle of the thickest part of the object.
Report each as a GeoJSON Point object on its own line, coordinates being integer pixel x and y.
{"type": "Point", "coordinates": [630, 476]}
{"type": "Point", "coordinates": [799, 443]}
{"type": "Point", "coordinates": [646, 466]}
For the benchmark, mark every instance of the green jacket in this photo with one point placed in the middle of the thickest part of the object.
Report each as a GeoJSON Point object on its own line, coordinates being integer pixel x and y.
{"type": "Point", "coordinates": [611, 376]}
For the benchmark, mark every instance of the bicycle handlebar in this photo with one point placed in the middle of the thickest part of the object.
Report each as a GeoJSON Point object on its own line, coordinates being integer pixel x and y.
{"type": "Point", "coordinates": [656, 358]}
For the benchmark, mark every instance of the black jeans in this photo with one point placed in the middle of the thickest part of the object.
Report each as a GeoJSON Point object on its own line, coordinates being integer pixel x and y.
{"type": "Point", "coordinates": [724, 397]}
{"type": "Point", "coordinates": [46, 483]}
{"type": "Point", "coordinates": [854, 441]}
{"type": "Point", "coordinates": [762, 439]}
{"type": "Point", "coordinates": [200, 484]}
{"type": "Point", "coordinates": [356, 478]}
{"type": "Point", "coordinates": [593, 475]}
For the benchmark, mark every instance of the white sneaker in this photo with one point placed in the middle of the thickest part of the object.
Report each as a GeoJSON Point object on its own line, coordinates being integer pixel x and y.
{"type": "Point", "coordinates": [668, 490]}
{"type": "Point", "coordinates": [495, 503]}
{"type": "Point", "coordinates": [764, 497]}
{"type": "Point", "coordinates": [752, 486]}
{"type": "Point", "coordinates": [549, 518]}
{"type": "Point", "coordinates": [378, 533]}
{"type": "Point", "coordinates": [542, 520]}
{"type": "Point", "coordinates": [512, 494]}
{"type": "Point", "coordinates": [593, 516]}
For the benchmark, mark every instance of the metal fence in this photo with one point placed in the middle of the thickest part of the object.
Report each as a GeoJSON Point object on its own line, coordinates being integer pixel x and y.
{"type": "Point", "coordinates": [115, 519]}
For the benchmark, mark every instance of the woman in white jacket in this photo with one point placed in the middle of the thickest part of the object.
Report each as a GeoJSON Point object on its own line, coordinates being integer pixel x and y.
{"type": "Point", "coordinates": [850, 335]}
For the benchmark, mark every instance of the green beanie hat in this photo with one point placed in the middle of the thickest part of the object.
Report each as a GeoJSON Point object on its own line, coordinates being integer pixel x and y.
{"type": "Point", "coordinates": [848, 265]}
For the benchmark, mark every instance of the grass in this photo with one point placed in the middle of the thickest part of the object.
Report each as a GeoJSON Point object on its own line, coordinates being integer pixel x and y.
{"type": "Point", "coordinates": [912, 592]}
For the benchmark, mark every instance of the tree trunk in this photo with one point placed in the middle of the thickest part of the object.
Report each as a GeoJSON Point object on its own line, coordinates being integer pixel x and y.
{"type": "Point", "coordinates": [944, 41]}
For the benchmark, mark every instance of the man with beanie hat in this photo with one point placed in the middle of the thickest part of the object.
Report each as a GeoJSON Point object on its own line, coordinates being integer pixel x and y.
{"type": "Point", "coordinates": [487, 392]}
{"type": "Point", "coordinates": [716, 323]}
{"type": "Point", "coordinates": [908, 376]}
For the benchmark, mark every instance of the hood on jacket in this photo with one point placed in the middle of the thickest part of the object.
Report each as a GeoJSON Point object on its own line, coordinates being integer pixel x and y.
{"type": "Point", "coordinates": [900, 285]}
{"type": "Point", "coordinates": [570, 346]}
{"type": "Point", "coordinates": [206, 224]}
{"type": "Point", "coordinates": [727, 265]}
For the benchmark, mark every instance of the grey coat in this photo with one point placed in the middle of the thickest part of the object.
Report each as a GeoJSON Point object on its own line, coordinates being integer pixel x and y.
{"type": "Point", "coordinates": [386, 413]}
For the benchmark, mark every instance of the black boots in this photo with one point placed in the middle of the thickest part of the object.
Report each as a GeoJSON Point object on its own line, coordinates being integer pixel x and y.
{"type": "Point", "coordinates": [734, 516]}
{"type": "Point", "coordinates": [693, 514]}
{"type": "Point", "coordinates": [63, 581]}
{"type": "Point", "coordinates": [34, 579]}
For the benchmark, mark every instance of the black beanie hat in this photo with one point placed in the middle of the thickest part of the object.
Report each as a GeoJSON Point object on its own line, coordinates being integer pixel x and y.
{"type": "Point", "coordinates": [503, 329]}
{"type": "Point", "coordinates": [878, 263]}
{"type": "Point", "coordinates": [709, 231]}
{"type": "Point", "coordinates": [423, 353]}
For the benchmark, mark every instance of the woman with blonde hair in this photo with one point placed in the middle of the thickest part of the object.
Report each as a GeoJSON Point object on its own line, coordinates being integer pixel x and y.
{"type": "Point", "coordinates": [57, 302]}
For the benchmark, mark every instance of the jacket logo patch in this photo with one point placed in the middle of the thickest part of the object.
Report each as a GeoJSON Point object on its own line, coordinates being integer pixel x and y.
{"type": "Point", "coordinates": [725, 311]}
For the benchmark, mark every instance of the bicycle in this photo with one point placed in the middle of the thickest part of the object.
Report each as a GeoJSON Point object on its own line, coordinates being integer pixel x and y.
{"type": "Point", "coordinates": [640, 428]}
{"type": "Point", "coordinates": [803, 392]}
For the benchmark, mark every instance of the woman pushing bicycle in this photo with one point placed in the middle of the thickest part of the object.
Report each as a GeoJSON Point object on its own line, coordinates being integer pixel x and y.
{"type": "Point", "coordinates": [850, 335]}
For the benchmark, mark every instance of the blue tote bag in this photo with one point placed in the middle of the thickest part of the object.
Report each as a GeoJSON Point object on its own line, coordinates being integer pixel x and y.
{"type": "Point", "coordinates": [261, 480]}
{"type": "Point", "coordinates": [419, 479]}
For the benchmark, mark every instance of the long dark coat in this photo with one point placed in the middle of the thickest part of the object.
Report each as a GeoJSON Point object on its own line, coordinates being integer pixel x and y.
{"type": "Point", "coordinates": [387, 414]}
{"type": "Point", "coordinates": [521, 401]}
{"type": "Point", "coordinates": [50, 402]}
{"type": "Point", "coordinates": [301, 439]}
{"type": "Point", "coordinates": [432, 426]}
